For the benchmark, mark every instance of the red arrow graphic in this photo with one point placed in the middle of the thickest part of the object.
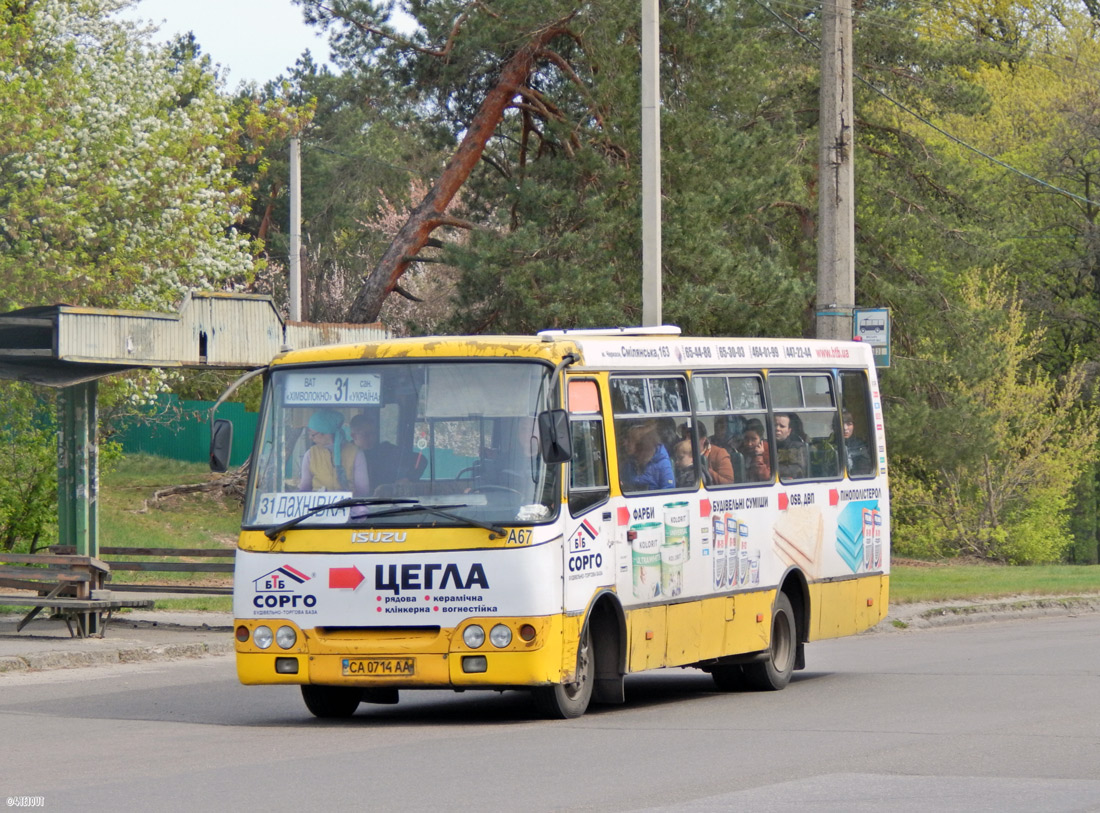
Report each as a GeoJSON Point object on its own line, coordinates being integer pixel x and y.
{"type": "Point", "coordinates": [344, 577]}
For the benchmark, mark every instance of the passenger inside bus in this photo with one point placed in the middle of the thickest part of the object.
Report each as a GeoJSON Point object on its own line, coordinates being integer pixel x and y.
{"type": "Point", "coordinates": [791, 449]}
{"type": "Point", "coordinates": [724, 434]}
{"type": "Point", "coordinates": [683, 462]}
{"type": "Point", "coordinates": [716, 459]}
{"type": "Point", "coordinates": [332, 463]}
{"type": "Point", "coordinates": [383, 463]}
{"type": "Point", "coordinates": [644, 464]}
{"type": "Point", "coordinates": [513, 459]}
{"type": "Point", "coordinates": [859, 455]}
{"type": "Point", "coordinates": [754, 449]}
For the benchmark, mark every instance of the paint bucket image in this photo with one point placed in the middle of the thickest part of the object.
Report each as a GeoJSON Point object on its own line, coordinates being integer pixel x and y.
{"type": "Point", "coordinates": [868, 538]}
{"type": "Point", "coordinates": [719, 543]}
{"type": "Point", "coordinates": [743, 547]}
{"type": "Point", "coordinates": [732, 550]}
{"type": "Point", "coordinates": [646, 552]}
{"type": "Point", "coordinates": [672, 568]}
{"type": "Point", "coordinates": [676, 525]}
{"type": "Point", "coordinates": [876, 558]}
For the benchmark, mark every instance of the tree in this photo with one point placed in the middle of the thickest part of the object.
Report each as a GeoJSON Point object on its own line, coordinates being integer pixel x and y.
{"type": "Point", "coordinates": [553, 201]}
{"type": "Point", "coordinates": [116, 189]}
{"type": "Point", "coordinates": [556, 188]}
{"type": "Point", "coordinates": [115, 164]}
{"type": "Point", "coordinates": [28, 491]}
{"type": "Point", "coordinates": [360, 154]}
{"type": "Point", "coordinates": [1010, 441]}
{"type": "Point", "coordinates": [1041, 121]}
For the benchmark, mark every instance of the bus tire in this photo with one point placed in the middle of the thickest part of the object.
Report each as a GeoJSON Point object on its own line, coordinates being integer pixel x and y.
{"type": "Point", "coordinates": [330, 702]}
{"type": "Point", "coordinates": [728, 678]}
{"type": "Point", "coordinates": [774, 672]}
{"type": "Point", "coordinates": [564, 701]}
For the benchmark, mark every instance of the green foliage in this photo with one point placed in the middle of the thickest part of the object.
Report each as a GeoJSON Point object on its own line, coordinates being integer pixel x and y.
{"type": "Point", "coordinates": [28, 489]}
{"type": "Point", "coordinates": [116, 170]}
{"type": "Point", "coordinates": [554, 204]}
{"type": "Point", "coordinates": [1083, 523]}
{"type": "Point", "coordinates": [361, 157]}
{"type": "Point", "coordinates": [987, 446]}
{"type": "Point", "coordinates": [116, 186]}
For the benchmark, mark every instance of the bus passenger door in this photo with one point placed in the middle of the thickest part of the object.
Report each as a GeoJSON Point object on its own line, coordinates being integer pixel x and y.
{"type": "Point", "coordinates": [589, 552]}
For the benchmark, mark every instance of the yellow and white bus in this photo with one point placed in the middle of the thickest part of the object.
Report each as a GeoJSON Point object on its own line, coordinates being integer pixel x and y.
{"type": "Point", "coordinates": [524, 513]}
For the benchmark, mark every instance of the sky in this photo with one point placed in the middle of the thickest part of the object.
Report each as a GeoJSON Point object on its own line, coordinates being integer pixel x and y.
{"type": "Point", "coordinates": [255, 40]}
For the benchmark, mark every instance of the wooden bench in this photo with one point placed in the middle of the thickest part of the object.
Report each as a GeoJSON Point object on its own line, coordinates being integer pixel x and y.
{"type": "Point", "coordinates": [71, 584]}
{"type": "Point", "coordinates": [157, 560]}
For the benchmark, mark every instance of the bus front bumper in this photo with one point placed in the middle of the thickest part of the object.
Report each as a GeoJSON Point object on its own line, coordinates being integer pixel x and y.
{"type": "Point", "coordinates": [410, 661]}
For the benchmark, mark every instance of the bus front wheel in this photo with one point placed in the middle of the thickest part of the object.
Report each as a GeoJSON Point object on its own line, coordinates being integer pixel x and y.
{"type": "Point", "coordinates": [331, 701]}
{"type": "Point", "coordinates": [565, 701]}
{"type": "Point", "coordinates": [774, 672]}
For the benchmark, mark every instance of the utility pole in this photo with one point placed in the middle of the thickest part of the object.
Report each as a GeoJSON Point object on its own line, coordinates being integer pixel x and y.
{"type": "Point", "coordinates": [836, 185]}
{"type": "Point", "coordinates": [295, 258]}
{"type": "Point", "coordinates": [651, 167]}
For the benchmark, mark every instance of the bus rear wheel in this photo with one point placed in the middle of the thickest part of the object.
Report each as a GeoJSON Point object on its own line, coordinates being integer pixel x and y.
{"type": "Point", "coordinates": [564, 701]}
{"type": "Point", "coordinates": [331, 701]}
{"type": "Point", "coordinates": [774, 672]}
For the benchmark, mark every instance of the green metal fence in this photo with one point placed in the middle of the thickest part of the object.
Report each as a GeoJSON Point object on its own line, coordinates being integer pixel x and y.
{"type": "Point", "coordinates": [180, 430]}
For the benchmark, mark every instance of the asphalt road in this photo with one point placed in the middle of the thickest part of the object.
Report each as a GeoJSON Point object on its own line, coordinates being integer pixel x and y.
{"type": "Point", "coordinates": [999, 716]}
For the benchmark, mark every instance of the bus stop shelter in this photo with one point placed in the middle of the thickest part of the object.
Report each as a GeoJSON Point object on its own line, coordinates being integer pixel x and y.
{"type": "Point", "coordinates": [70, 348]}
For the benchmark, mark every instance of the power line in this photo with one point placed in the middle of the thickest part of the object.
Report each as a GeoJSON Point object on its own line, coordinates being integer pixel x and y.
{"type": "Point", "coordinates": [990, 52]}
{"type": "Point", "coordinates": [936, 127]}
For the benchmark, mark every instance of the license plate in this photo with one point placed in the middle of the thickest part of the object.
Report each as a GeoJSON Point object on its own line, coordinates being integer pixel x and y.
{"type": "Point", "coordinates": [379, 667]}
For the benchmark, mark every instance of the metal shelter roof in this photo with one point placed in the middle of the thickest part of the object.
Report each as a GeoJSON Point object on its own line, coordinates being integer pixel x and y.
{"type": "Point", "coordinates": [62, 345]}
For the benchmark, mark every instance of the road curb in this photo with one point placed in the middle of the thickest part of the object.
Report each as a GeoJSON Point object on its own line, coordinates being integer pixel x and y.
{"type": "Point", "coordinates": [947, 615]}
{"type": "Point", "coordinates": [58, 659]}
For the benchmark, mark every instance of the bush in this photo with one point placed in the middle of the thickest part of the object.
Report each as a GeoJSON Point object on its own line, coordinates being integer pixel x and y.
{"type": "Point", "coordinates": [988, 447]}
{"type": "Point", "coordinates": [28, 458]}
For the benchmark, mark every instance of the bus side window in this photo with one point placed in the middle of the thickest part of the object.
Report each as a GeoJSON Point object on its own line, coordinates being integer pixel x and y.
{"type": "Point", "coordinates": [805, 404]}
{"type": "Point", "coordinates": [857, 427]}
{"type": "Point", "coordinates": [728, 406]}
{"type": "Point", "coordinates": [648, 413]}
{"type": "Point", "coordinates": [588, 467]}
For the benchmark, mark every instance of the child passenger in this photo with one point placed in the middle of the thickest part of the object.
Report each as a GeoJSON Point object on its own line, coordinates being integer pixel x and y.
{"type": "Point", "coordinates": [684, 463]}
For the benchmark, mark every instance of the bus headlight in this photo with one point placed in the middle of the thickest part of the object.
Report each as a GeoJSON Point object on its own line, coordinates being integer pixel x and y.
{"type": "Point", "coordinates": [286, 637]}
{"type": "Point", "coordinates": [500, 636]}
{"type": "Point", "coordinates": [262, 637]}
{"type": "Point", "coordinates": [473, 636]}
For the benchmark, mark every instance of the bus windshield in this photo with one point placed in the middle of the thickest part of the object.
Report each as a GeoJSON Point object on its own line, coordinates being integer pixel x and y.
{"type": "Point", "coordinates": [402, 444]}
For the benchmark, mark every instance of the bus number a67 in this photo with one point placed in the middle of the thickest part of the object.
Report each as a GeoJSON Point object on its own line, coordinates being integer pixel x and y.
{"type": "Point", "coordinates": [519, 536]}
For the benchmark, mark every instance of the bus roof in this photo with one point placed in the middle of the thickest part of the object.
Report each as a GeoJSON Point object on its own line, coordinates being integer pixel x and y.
{"type": "Point", "coordinates": [660, 347]}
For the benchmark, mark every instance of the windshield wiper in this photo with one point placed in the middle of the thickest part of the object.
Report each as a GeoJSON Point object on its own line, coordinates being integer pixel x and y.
{"type": "Point", "coordinates": [273, 532]}
{"type": "Point", "coordinates": [401, 506]}
{"type": "Point", "coordinates": [438, 510]}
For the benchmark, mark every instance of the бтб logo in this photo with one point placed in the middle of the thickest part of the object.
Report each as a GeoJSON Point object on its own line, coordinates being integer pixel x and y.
{"type": "Point", "coordinates": [277, 589]}
{"type": "Point", "coordinates": [280, 580]}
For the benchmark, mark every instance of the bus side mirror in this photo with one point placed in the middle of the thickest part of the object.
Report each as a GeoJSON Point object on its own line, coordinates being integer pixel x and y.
{"type": "Point", "coordinates": [221, 444]}
{"type": "Point", "coordinates": [554, 437]}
